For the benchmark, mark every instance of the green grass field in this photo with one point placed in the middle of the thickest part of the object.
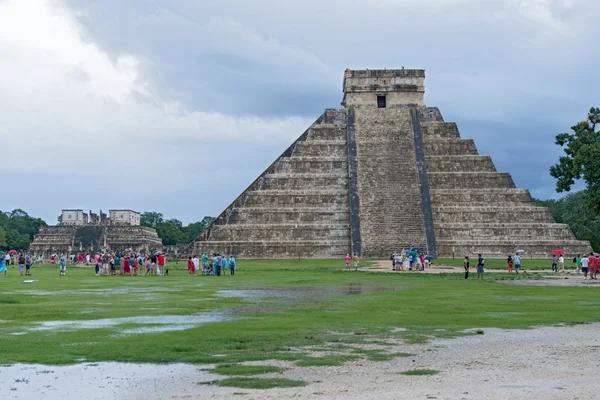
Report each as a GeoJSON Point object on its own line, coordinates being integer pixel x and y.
{"type": "Point", "coordinates": [269, 310]}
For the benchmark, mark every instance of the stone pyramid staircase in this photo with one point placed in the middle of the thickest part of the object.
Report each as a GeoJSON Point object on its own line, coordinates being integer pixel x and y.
{"type": "Point", "coordinates": [298, 207]}
{"type": "Point", "coordinates": [477, 209]}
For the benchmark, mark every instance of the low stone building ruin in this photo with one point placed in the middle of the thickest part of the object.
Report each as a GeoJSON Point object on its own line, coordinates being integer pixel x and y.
{"type": "Point", "coordinates": [82, 232]}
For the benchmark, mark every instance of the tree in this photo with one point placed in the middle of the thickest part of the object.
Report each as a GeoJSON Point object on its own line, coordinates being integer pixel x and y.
{"type": "Point", "coordinates": [17, 229]}
{"type": "Point", "coordinates": [151, 219]}
{"type": "Point", "coordinates": [170, 233]}
{"type": "Point", "coordinates": [582, 158]}
{"type": "Point", "coordinates": [576, 211]}
{"type": "Point", "coordinates": [196, 228]}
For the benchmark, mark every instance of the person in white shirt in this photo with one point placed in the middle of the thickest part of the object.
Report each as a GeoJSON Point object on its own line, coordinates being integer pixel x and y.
{"type": "Point", "coordinates": [561, 263]}
{"type": "Point", "coordinates": [7, 259]}
{"type": "Point", "coordinates": [517, 262]}
{"type": "Point", "coordinates": [585, 263]}
{"type": "Point", "coordinates": [196, 261]}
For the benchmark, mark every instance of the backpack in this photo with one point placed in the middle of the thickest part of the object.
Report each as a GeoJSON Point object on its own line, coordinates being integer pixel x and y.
{"type": "Point", "coordinates": [574, 259]}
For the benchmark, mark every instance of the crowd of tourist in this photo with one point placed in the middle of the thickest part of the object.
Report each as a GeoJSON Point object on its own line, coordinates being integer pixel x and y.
{"type": "Point", "coordinates": [113, 263]}
{"type": "Point", "coordinates": [408, 260]}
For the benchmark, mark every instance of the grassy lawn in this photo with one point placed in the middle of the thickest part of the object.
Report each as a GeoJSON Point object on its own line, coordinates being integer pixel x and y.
{"type": "Point", "coordinates": [266, 311]}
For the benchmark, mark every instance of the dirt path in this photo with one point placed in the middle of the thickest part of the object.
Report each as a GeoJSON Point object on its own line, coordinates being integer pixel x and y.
{"type": "Point", "coordinates": [557, 362]}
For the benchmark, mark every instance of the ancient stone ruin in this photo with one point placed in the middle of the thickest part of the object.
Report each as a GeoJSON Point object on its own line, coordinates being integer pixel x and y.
{"type": "Point", "coordinates": [82, 232]}
{"type": "Point", "coordinates": [382, 174]}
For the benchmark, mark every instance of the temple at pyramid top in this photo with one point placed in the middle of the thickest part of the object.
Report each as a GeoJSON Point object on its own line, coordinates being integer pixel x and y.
{"type": "Point", "coordinates": [384, 87]}
{"type": "Point", "coordinates": [383, 174]}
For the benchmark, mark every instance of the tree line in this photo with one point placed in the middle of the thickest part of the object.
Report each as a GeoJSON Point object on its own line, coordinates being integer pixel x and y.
{"type": "Point", "coordinates": [17, 229]}
{"type": "Point", "coordinates": [172, 231]}
{"type": "Point", "coordinates": [576, 210]}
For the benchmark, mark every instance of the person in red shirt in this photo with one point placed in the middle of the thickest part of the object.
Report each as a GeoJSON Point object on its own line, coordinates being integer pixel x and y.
{"type": "Point", "coordinates": [348, 259]}
{"type": "Point", "coordinates": [593, 266]}
{"type": "Point", "coordinates": [161, 264]}
{"type": "Point", "coordinates": [191, 267]}
{"type": "Point", "coordinates": [126, 266]}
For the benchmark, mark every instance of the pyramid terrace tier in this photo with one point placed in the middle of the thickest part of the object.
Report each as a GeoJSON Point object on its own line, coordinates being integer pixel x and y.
{"type": "Point", "coordinates": [304, 180]}
{"type": "Point", "coordinates": [335, 197]}
{"type": "Point", "coordinates": [501, 248]}
{"type": "Point", "coordinates": [470, 180]}
{"type": "Point", "coordinates": [264, 249]}
{"type": "Point", "coordinates": [498, 196]}
{"type": "Point", "coordinates": [455, 147]}
{"type": "Point", "coordinates": [322, 164]}
{"type": "Point", "coordinates": [269, 215]}
{"type": "Point", "coordinates": [490, 214]}
{"type": "Point", "coordinates": [462, 163]}
{"type": "Point", "coordinates": [319, 148]}
{"type": "Point", "coordinates": [282, 232]}
{"type": "Point", "coordinates": [327, 132]}
{"type": "Point", "coordinates": [504, 230]}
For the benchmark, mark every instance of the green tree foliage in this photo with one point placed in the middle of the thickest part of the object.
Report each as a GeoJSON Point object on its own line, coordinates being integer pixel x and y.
{"type": "Point", "coordinates": [172, 231]}
{"type": "Point", "coordinates": [576, 210]}
{"type": "Point", "coordinates": [151, 219]}
{"type": "Point", "coordinates": [17, 229]}
{"type": "Point", "coordinates": [196, 228]}
{"type": "Point", "coordinates": [581, 159]}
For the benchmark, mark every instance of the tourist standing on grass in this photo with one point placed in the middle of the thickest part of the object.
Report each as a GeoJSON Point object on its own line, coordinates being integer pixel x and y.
{"type": "Point", "coordinates": [191, 267]}
{"type": "Point", "coordinates": [224, 264]}
{"type": "Point", "coordinates": [126, 267]}
{"type": "Point", "coordinates": [480, 262]}
{"type": "Point", "coordinates": [196, 263]}
{"type": "Point", "coordinates": [148, 267]}
{"type": "Point", "coordinates": [517, 262]}
{"type": "Point", "coordinates": [554, 263]}
{"type": "Point", "coordinates": [161, 264]}
{"type": "Point", "coordinates": [466, 267]}
{"type": "Point", "coordinates": [232, 265]}
{"type": "Point", "coordinates": [27, 264]}
{"type": "Point", "coordinates": [393, 258]}
{"type": "Point", "coordinates": [578, 263]}
{"type": "Point", "coordinates": [117, 261]}
{"type": "Point", "coordinates": [399, 263]}
{"type": "Point", "coordinates": [7, 259]}
{"type": "Point", "coordinates": [356, 261]}
{"type": "Point", "coordinates": [21, 264]}
{"type": "Point", "coordinates": [204, 261]}
{"type": "Point", "coordinates": [509, 261]}
{"type": "Point", "coordinates": [62, 266]}
{"type": "Point", "coordinates": [561, 263]}
{"type": "Point", "coordinates": [2, 263]}
{"type": "Point", "coordinates": [585, 263]}
{"type": "Point", "coordinates": [131, 264]}
{"type": "Point", "coordinates": [347, 259]}
{"type": "Point", "coordinates": [592, 266]}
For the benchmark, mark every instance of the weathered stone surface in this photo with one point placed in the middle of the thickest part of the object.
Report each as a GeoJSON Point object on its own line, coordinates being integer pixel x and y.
{"type": "Point", "coordinates": [353, 180]}
{"type": "Point", "coordinates": [71, 239]}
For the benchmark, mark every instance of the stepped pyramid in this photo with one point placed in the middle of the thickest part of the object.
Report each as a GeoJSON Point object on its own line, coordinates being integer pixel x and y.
{"type": "Point", "coordinates": [382, 174]}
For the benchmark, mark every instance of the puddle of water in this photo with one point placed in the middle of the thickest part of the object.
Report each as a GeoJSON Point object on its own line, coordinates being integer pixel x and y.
{"type": "Point", "coordinates": [105, 291]}
{"type": "Point", "coordinates": [552, 282]}
{"type": "Point", "coordinates": [308, 292]}
{"type": "Point", "coordinates": [161, 323]}
{"type": "Point", "coordinates": [118, 381]}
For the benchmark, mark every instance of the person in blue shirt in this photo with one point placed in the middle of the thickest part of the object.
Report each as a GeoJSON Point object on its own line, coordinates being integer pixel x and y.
{"type": "Point", "coordinates": [215, 264]}
{"type": "Point", "coordinates": [231, 265]}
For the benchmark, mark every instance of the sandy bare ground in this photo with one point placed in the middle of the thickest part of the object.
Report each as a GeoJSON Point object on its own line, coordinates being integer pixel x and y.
{"type": "Point", "coordinates": [559, 362]}
{"type": "Point", "coordinates": [386, 266]}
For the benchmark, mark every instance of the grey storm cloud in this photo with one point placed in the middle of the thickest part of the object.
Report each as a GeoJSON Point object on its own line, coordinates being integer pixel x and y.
{"type": "Point", "coordinates": [171, 102]}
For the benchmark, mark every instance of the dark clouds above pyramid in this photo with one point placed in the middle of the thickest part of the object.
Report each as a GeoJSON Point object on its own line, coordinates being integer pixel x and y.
{"type": "Point", "coordinates": [184, 78]}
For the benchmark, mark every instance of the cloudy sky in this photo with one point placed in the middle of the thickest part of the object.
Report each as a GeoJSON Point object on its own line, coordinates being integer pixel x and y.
{"type": "Point", "coordinates": [176, 106]}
